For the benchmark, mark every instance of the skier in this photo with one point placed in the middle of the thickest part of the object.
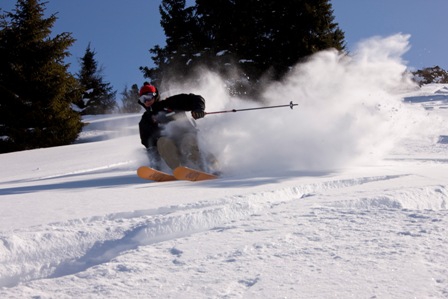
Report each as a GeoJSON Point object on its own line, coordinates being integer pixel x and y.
{"type": "Point", "coordinates": [165, 129]}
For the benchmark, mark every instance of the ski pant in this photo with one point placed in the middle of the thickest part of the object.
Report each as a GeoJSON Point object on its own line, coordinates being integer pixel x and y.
{"type": "Point", "coordinates": [180, 152]}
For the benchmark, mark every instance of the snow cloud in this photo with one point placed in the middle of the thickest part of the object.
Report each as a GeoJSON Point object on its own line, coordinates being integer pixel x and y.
{"type": "Point", "coordinates": [349, 109]}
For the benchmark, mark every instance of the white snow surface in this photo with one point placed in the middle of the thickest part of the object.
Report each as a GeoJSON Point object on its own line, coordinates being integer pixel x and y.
{"type": "Point", "coordinates": [343, 197]}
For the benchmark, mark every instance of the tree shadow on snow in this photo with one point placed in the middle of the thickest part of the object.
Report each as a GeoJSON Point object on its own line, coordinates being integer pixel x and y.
{"type": "Point", "coordinates": [106, 182]}
{"type": "Point", "coordinates": [225, 181]}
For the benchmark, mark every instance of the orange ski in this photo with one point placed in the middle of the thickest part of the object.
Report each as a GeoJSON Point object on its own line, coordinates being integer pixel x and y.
{"type": "Point", "coordinates": [152, 174]}
{"type": "Point", "coordinates": [185, 173]}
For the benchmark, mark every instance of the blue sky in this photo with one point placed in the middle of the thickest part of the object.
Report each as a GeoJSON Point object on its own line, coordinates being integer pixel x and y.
{"type": "Point", "coordinates": [122, 32]}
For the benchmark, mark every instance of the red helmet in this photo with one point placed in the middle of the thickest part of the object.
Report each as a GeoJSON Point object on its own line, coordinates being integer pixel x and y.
{"type": "Point", "coordinates": [147, 88]}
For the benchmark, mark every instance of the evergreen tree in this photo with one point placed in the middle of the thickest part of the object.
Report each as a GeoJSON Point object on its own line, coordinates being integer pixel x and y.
{"type": "Point", "coordinates": [429, 75]}
{"type": "Point", "coordinates": [260, 38]}
{"type": "Point", "coordinates": [174, 60]}
{"type": "Point", "coordinates": [129, 100]}
{"type": "Point", "coordinates": [98, 97]}
{"type": "Point", "coordinates": [36, 90]}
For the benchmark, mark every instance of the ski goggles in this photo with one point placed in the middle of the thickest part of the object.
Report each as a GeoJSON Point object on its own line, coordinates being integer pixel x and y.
{"type": "Point", "coordinates": [147, 97]}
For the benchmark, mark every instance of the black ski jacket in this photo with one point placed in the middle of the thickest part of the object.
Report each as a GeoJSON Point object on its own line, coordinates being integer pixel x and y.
{"type": "Point", "coordinates": [160, 113]}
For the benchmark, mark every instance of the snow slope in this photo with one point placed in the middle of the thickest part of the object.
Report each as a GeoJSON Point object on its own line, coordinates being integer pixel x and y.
{"type": "Point", "coordinates": [344, 197]}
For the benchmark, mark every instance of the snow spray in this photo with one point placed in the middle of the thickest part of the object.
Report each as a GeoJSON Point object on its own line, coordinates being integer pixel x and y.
{"type": "Point", "coordinates": [350, 111]}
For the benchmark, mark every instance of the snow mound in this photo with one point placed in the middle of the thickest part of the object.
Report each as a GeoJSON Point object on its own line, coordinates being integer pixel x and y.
{"type": "Point", "coordinates": [425, 198]}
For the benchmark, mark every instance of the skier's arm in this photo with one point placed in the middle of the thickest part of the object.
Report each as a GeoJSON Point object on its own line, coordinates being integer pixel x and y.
{"type": "Point", "coordinates": [184, 102]}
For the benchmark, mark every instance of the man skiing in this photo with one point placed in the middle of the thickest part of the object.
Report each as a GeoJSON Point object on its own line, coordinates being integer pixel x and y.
{"type": "Point", "coordinates": [165, 130]}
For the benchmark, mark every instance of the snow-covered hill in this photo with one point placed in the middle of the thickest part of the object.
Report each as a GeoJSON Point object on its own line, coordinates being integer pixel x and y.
{"type": "Point", "coordinates": [344, 197]}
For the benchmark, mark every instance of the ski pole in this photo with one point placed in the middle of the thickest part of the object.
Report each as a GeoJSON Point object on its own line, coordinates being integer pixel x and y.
{"type": "Point", "coordinates": [291, 105]}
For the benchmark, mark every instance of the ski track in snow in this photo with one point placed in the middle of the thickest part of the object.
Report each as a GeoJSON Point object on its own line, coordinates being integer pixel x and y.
{"type": "Point", "coordinates": [60, 249]}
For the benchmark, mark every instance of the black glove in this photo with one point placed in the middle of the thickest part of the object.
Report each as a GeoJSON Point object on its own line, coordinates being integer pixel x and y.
{"type": "Point", "coordinates": [198, 114]}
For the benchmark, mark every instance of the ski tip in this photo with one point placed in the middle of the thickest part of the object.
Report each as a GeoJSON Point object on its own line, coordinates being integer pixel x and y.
{"type": "Point", "coordinates": [189, 174]}
{"type": "Point", "coordinates": [152, 174]}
